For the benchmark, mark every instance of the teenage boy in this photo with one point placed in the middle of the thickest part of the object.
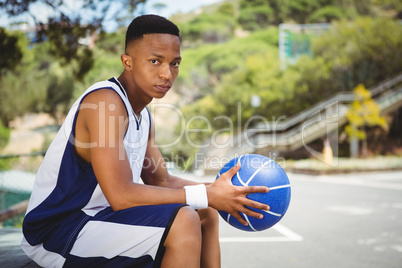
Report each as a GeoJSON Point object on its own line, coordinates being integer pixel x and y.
{"type": "Point", "coordinates": [88, 208]}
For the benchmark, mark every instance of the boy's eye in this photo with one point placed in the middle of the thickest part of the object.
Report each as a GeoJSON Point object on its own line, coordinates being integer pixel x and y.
{"type": "Point", "coordinates": [175, 64]}
{"type": "Point", "coordinates": [153, 61]}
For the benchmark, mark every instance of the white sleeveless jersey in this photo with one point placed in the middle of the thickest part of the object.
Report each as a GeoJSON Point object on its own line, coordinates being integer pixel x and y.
{"type": "Point", "coordinates": [66, 193]}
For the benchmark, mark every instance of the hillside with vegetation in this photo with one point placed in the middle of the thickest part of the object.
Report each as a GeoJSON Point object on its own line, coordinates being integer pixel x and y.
{"type": "Point", "coordinates": [229, 59]}
{"type": "Point", "coordinates": [230, 53]}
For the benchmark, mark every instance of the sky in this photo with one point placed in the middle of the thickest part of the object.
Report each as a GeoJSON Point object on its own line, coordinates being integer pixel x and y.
{"type": "Point", "coordinates": [176, 6]}
{"type": "Point", "coordinates": [171, 7]}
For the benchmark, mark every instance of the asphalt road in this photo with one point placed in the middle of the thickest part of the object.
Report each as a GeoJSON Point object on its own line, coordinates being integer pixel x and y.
{"type": "Point", "coordinates": [347, 221]}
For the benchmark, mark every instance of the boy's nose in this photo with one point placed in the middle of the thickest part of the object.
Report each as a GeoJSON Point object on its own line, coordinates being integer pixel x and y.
{"type": "Point", "coordinates": [165, 73]}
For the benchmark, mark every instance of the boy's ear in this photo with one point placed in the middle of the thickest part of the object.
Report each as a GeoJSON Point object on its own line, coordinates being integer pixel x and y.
{"type": "Point", "coordinates": [127, 62]}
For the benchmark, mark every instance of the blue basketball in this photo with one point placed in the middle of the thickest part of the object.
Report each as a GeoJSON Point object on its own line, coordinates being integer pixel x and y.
{"type": "Point", "coordinates": [259, 170]}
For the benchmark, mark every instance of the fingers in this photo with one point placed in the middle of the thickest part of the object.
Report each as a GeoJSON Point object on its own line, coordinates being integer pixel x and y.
{"type": "Point", "coordinates": [234, 200]}
{"type": "Point", "coordinates": [254, 204]}
{"type": "Point", "coordinates": [248, 207]}
{"type": "Point", "coordinates": [238, 217]}
{"type": "Point", "coordinates": [254, 189]}
{"type": "Point", "coordinates": [232, 171]}
{"type": "Point", "coordinates": [248, 212]}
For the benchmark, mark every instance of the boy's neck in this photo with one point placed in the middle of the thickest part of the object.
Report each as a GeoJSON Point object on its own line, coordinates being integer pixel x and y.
{"type": "Point", "coordinates": [136, 101]}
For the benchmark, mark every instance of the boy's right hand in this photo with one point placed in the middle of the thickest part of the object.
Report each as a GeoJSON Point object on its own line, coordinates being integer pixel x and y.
{"type": "Point", "coordinates": [223, 195]}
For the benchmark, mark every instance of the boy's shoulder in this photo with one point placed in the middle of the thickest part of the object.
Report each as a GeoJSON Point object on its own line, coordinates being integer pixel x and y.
{"type": "Point", "coordinates": [104, 89]}
{"type": "Point", "coordinates": [103, 84]}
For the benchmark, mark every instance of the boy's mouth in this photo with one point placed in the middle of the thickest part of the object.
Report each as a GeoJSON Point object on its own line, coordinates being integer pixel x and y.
{"type": "Point", "coordinates": [163, 87]}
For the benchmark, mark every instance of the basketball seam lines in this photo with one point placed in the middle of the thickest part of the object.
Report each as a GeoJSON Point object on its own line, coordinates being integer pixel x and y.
{"type": "Point", "coordinates": [255, 173]}
{"type": "Point", "coordinates": [237, 174]}
{"type": "Point", "coordinates": [272, 213]}
{"type": "Point", "coordinates": [279, 187]}
{"type": "Point", "coordinates": [258, 170]}
{"type": "Point", "coordinates": [249, 223]}
{"type": "Point", "coordinates": [246, 184]}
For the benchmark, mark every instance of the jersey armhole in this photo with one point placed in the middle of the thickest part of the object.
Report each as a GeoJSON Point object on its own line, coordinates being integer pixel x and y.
{"type": "Point", "coordinates": [72, 134]}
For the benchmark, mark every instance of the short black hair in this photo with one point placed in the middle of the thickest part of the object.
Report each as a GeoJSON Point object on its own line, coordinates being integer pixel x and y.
{"type": "Point", "coordinates": [149, 24]}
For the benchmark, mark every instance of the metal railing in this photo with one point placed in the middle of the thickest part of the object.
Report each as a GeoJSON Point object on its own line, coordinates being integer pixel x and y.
{"type": "Point", "coordinates": [295, 130]}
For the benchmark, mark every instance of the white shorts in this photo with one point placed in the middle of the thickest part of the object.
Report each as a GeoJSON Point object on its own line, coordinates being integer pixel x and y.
{"type": "Point", "coordinates": [132, 237]}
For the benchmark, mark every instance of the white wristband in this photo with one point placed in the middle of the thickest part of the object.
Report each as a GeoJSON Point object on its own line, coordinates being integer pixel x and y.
{"type": "Point", "coordinates": [196, 196]}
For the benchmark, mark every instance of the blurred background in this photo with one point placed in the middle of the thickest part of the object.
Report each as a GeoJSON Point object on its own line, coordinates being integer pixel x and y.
{"type": "Point", "coordinates": [314, 84]}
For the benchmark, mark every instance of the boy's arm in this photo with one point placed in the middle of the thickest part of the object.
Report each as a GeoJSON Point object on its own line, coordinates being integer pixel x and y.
{"type": "Point", "coordinates": [155, 170]}
{"type": "Point", "coordinates": [222, 194]}
{"type": "Point", "coordinates": [100, 129]}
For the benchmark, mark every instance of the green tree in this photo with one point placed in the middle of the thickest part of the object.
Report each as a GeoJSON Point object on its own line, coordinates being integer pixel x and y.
{"type": "Point", "coordinates": [203, 67]}
{"type": "Point", "coordinates": [11, 51]}
{"type": "Point", "coordinates": [4, 135]}
{"type": "Point", "coordinates": [390, 5]}
{"type": "Point", "coordinates": [255, 15]}
{"type": "Point", "coordinates": [50, 71]}
{"type": "Point", "coordinates": [59, 93]}
{"type": "Point", "coordinates": [300, 10]}
{"type": "Point", "coordinates": [313, 82]}
{"type": "Point", "coordinates": [364, 51]}
{"type": "Point", "coordinates": [65, 44]}
{"type": "Point", "coordinates": [112, 43]}
{"type": "Point", "coordinates": [349, 53]}
{"type": "Point", "coordinates": [280, 10]}
{"type": "Point", "coordinates": [159, 6]}
{"type": "Point", "coordinates": [207, 28]}
{"type": "Point", "coordinates": [11, 56]}
{"type": "Point", "coordinates": [67, 26]}
{"type": "Point", "coordinates": [363, 113]}
{"type": "Point", "coordinates": [35, 79]}
{"type": "Point", "coordinates": [327, 14]}
{"type": "Point", "coordinates": [227, 9]}
{"type": "Point", "coordinates": [10, 103]}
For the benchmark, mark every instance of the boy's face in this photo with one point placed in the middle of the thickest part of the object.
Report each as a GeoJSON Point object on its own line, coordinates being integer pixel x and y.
{"type": "Point", "coordinates": [154, 65]}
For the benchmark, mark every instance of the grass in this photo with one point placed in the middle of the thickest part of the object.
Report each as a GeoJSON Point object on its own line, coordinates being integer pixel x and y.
{"type": "Point", "coordinates": [346, 164]}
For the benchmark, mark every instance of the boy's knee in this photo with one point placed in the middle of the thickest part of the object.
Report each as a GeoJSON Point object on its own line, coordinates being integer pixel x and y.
{"type": "Point", "coordinates": [186, 228]}
{"type": "Point", "coordinates": [208, 216]}
{"type": "Point", "coordinates": [187, 215]}
{"type": "Point", "coordinates": [187, 220]}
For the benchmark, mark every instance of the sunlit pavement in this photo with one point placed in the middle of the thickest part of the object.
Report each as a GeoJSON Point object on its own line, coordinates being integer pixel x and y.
{"type": "Point", "coordinates": [347, 220]}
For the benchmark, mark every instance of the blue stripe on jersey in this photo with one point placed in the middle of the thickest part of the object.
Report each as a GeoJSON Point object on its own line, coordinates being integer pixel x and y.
{"type": "Point", "coordinates": [75, 185]}
{"type": "Point", "coordinates": [114, 80]}
{"type": "Point", "coordinates": [61, 210]}
{"type": "Point", "coordinates": [58, 219]}
{"type": "Point", "coordinates": [154, 215]}
{"type": "Point", "coordinates": [149, 119]}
